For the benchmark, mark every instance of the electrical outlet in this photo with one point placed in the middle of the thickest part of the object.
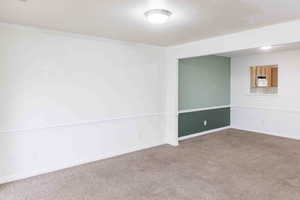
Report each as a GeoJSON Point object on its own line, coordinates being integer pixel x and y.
{"type": "Point", "coordinates": [205, 122]}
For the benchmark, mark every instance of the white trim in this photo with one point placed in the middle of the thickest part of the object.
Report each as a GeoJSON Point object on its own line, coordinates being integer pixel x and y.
{"type": "Point", "coordinates": [290, 110]}
{"type": "Point", "coordinates": [74, 35]}
{"type": "Point", "coordinates": [262, 94]}
{"type": "Point", "coordinates": [264, 132]}
{"type": "Point", "coordinates": [285, 33]}
{"type": "Point", "coordinates": [201, 109]}
{"type": "Point", "coordinates": [81, 123]}
{"type": "Point", "coordinates": [28, 174]}
{"type": "Point", "coordinates": [203, 133]}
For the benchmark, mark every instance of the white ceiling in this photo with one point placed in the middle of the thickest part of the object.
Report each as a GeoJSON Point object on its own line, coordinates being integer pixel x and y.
{"type": "Point", "coordinates": [277, 48]}
{"type": "Point", "coordinates": [124, 19]}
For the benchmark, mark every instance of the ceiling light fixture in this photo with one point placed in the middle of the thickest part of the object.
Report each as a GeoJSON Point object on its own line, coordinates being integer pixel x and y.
{"type": "Point", "coordinates": [157, 16]}
{"type": "Point", "coordinates": [266, 48]}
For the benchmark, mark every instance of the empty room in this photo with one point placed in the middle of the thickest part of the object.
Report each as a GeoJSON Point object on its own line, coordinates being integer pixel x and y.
{"type": "Point", "coordinates": [149, 100]}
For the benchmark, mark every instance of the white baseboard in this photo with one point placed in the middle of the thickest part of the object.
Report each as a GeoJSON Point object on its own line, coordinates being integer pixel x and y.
{"type": "Point", "coordinates": [28, 174]}
{"type": "Point", "coordinates": [203, 133]}
{"type": "Point", "coordinates": [270, 121]}
{"type": "Point", "coordinates": [235, 127]}
{"type": "Point", "coordinates": [264, 132]}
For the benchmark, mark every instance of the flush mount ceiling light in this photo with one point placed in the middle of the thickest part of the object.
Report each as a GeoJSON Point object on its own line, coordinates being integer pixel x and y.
{"type": "Point", "coordinates": [157, 16]}
{"type": "Point", "coordinates": [266, 48]}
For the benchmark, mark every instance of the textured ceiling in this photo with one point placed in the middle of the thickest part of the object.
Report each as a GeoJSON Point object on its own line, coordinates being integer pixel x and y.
{"type": "Point", "coordinates": [124, 20]}
{"type": "Point", "coordinates": [277, 48]}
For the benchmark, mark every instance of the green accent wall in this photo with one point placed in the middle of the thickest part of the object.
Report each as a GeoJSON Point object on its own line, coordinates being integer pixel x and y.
{"type": "Point", "coordinates": [204, 82]}
{"type": "Point", "coordinates": [193, 122]}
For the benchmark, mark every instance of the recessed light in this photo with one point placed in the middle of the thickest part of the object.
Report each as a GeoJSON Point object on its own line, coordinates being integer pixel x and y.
{"type": "Point", "coordinates": [266, 47]}
{"type": "Point", "coordinates": [157, 16]}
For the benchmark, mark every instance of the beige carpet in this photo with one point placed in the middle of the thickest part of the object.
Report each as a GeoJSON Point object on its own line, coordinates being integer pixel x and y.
{"type": "Point", "coordinates": [226, 165]}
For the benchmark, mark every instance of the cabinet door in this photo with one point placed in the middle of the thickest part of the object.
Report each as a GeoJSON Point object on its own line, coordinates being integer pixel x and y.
{"type": "Point", "coordinates": [258, 71]}
{"type": "Point", "coordinates": [274, 82]}
{"type": "Point", "coordinates": [253, 76]}
{"type": "Point", "coordinates": [269, 75]}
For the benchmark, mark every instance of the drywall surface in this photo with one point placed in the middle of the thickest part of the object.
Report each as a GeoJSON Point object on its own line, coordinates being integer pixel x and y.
{"type": "Point", "coordinates": [204, 82]}
{"type": "Point", "coordinates": [67, 100]}
{"type": "Point", "coordinates": [271, 35]}
{"type": "Point", "coordinates": [190, 123]}
{"type": "Point", "coordinates": [275, 114]}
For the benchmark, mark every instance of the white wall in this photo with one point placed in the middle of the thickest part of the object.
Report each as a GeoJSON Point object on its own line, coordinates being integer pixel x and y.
{"type": "Point", "coordinates": [271, 35]}
{"type": "Point", "coordinates": [273, 114]}
{"type": "Point", "coordinates": [68, 99]}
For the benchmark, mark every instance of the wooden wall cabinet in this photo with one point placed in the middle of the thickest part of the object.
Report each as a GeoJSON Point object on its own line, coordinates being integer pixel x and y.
{"type": "Point", "coordinates": [264, 74]}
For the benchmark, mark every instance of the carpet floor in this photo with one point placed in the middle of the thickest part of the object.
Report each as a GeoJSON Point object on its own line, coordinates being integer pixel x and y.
{"type": "Point", "coordinates": [226, 165]}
